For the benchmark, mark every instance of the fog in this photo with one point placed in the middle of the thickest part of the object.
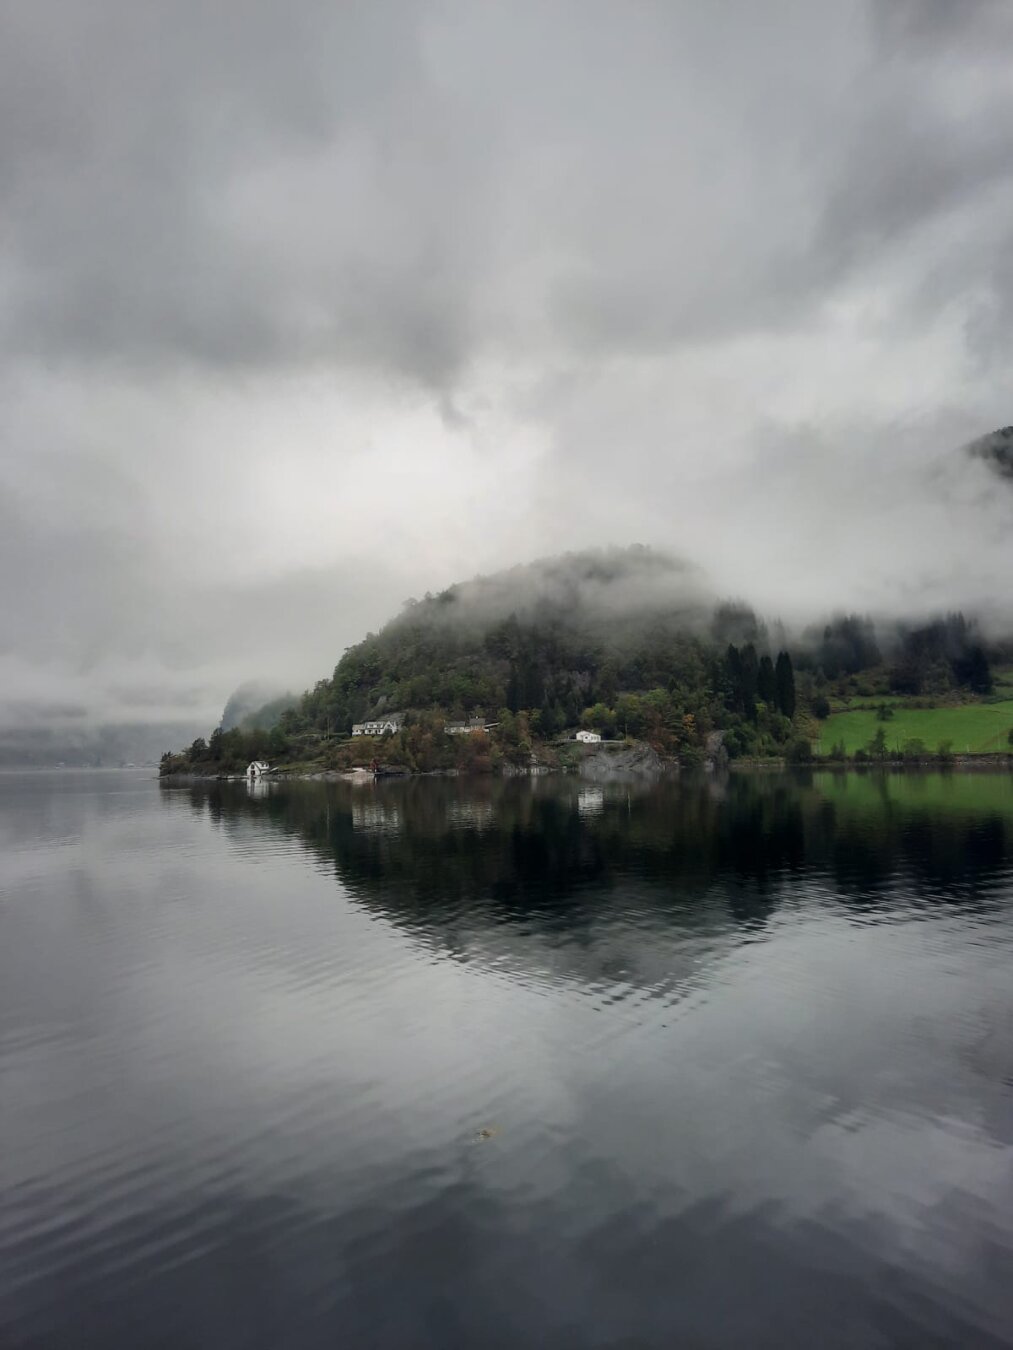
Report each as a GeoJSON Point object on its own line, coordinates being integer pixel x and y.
{"type": "Point", "coordinates": [308, 309]}
{"type": "Point", "coordinates": [601, 583]}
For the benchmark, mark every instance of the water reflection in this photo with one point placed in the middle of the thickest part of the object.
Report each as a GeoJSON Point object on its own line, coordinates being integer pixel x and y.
{"type": "Point", "coordinates": [640, 891]}
{"type": "Point", "coordinates": [540, 851]}
{"type": "Point", "coordinates": [445, 1063]}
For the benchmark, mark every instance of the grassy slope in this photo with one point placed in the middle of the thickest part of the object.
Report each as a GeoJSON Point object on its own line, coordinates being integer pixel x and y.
{"type": "Point", "coordinates": [981, 728]}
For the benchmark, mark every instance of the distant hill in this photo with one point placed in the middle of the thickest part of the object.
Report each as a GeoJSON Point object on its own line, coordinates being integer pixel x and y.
{"type": "Point", "coordinates": [996, 449]}
{"type": "Point", "coordinates": [89, 746]}
{"type": "Point", "coordinates": [256, 706]}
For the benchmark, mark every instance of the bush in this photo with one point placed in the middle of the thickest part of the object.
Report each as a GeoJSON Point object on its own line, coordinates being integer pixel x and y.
{"type": "Point", "coordinates": [799, 752]}
{"type": "Point", "coordinates": [944, 752]}
{"type": "Point", "coordinates": [914, 749]}
{"type": "Point", "coordinates": [735, 742]}
{"type": "Point", "coordinates": [821, 707]}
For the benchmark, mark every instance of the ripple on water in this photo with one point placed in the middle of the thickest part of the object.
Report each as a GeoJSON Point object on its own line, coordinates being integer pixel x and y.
{"type": "Point", "coordinates": [450, 1064]}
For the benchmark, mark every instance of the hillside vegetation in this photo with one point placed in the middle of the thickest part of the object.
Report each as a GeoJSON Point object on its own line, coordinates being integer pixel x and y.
{"type": "Point", "coordinates": [627, 642]}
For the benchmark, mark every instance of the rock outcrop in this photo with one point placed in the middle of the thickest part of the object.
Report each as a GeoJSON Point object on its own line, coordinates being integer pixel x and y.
{"type": "Point", "coordinates": [610, 764]}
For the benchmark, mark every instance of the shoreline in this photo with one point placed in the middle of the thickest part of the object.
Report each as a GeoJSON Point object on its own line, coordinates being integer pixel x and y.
{"type": "Point", "coordinates": [960, 763]}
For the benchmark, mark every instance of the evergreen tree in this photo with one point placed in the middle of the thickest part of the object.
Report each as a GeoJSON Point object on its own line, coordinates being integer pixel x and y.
{"type": "Point", "coordinates": [750, 680]}
{"type": "Point", "coordinates": [972, 669]}
{"type": "Point", "coordinates": [513, 697]}
{"type": "Point", "coordinates": [766, 682]}
{"type": "Point", "coordinates": [784, 677]}
{"type": "Point", "coordinates": [733, 677]}
{"type": "Point", "coordinates": [549, 722]}
{"type": "Point", "coordinates": [531, 687]}
{"type": "Point", "coordinates": [741, 674]}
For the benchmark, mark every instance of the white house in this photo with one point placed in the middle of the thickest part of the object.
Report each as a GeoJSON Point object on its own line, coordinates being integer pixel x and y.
{"type": "Point", "coordinates": [588, 737]}
{"type": "Point", "coordinates": [466, 728]}
{"type": "Point", "coordinates": [390, 723]}
{"type": "Point", "coordinates": [257, 769]}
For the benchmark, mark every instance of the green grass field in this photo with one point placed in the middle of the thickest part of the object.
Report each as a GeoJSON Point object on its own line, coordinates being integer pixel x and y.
{"type": "Point", "coordinates": [975, 728]}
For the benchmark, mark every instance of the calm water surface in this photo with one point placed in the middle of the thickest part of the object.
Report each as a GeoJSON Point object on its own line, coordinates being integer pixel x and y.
{"type": "Point", "coordinates": [506, 1064]}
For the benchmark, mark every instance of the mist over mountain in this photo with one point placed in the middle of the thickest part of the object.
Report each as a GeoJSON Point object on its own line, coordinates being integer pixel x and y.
{"type": "Point", "coordinates": [564, 637]}
{"type": "Point", "coordinates": [593, 585]}
{"type": "Point", "coordinates": [996, 451]}
{"type": "Point", "coordinates": [540, 634]}
{"type": "Point", "coordinates": [254, 704]}
{"type": "Point", "coordinates": [85, 746]}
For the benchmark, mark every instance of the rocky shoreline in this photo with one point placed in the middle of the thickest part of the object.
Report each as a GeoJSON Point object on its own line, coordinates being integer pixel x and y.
{"type": "Point", "coordinates": [628, 761]}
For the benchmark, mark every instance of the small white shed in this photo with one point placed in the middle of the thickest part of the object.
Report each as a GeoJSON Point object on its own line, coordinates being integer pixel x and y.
{"type": "Point", "coordinates": [257, 769]}
{"type": "Point", "coordinates": [588, 737]}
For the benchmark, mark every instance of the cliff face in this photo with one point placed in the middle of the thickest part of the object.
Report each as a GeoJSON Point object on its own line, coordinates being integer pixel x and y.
{"type": "Point", "coordinates": [612, 765]}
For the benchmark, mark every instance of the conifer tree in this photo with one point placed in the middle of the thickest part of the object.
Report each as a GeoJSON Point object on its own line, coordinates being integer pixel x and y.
{"type": "Point", "coordinates": [784, 677]}
{"type": "Point", "coordinates": [766, 682]}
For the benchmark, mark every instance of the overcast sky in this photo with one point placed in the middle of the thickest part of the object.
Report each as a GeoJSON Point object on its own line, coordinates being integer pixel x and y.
{"type": "Point", "coordinates": [308, 307]}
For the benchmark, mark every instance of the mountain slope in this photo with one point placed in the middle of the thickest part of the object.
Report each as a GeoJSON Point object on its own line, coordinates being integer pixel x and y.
{"type": "Point", "coordinates": [554, 635]}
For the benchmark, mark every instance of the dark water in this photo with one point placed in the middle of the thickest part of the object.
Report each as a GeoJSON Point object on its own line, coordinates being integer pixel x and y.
{"type": "Point", "coordinates": [742, 1056]}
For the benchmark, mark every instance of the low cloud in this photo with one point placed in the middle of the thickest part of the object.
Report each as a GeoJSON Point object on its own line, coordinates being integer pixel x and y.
{"type": "Point", "coordinates": [304, 312]}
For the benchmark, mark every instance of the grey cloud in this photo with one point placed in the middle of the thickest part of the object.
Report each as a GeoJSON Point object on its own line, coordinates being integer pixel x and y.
{"type": "Point", "coordinates": [907, 163]}
{"type": "Point", "coordinates": [605, 583]}
{"type": "Point", "coordinates": [923, 167]}
{"type": "Point", "coordinates": [406, 186]}
{"type": "Point", "coordinates": [234, 186]}
{"type": "Point", "coordinates": [68, 587]}
{"type": "Point", "coordinates": [95, 626]}
{"type": "Point", "coordinates": [629, 259]}
{"type": "Point", "coordinates": [901, 24]}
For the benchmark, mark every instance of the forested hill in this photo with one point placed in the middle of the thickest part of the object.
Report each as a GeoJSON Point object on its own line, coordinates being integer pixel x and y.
{"type": "Point", "coordinates": [553, 637]}
{"type": "Point", "coordinates": [626, 642]}
{"type": "Point", "coordinates": [566, 634]}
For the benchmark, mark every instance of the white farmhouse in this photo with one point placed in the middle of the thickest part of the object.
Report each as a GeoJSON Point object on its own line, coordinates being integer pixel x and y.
{"type": "Point", "coordinates": [588, 737]}
{"type": "Point", "coordinates": [257, 769]}
{"type": "Point", "coordinates": [380, 727]}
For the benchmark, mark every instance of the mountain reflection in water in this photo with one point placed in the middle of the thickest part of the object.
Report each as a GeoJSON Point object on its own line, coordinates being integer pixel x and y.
{"type": "Point", "coordinates": [526, 1062]}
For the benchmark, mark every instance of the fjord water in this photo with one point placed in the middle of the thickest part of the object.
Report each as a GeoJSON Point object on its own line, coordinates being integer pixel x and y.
{"type": "Point", "coordinates": [523, 1063]}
